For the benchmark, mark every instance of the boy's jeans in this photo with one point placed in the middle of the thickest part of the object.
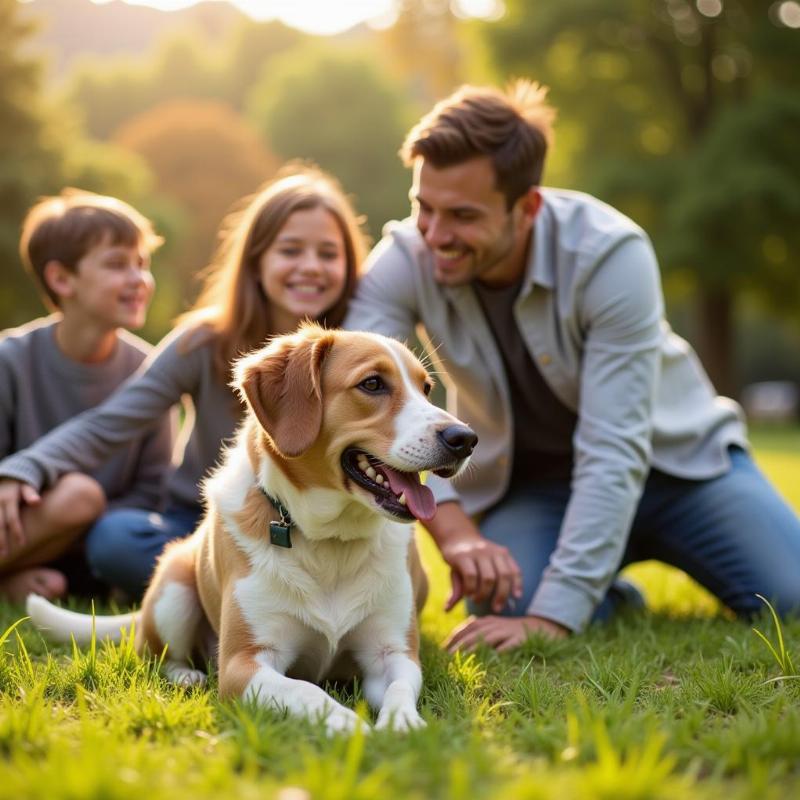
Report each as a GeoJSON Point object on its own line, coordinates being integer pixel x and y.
{"type": "Point", "coordinates": [123, 545]}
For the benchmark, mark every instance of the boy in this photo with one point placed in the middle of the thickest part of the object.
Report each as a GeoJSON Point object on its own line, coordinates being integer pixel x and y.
{"type": "Point", "coordinates": [90, 258]}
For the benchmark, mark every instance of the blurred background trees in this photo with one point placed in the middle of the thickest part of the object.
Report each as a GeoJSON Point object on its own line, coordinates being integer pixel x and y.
{"type": "Point", "coordinates": [332, 107]}
{"type": "Point", "coordinates": [204, 156]}
{"type": "Point", "coordinates": [42, 149]}
{"type": "Point", "coordinates": [682, 113]}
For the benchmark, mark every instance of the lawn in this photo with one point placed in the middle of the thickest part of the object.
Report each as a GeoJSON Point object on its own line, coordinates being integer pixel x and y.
{"type": "Point", "coordinates": [677, 702]}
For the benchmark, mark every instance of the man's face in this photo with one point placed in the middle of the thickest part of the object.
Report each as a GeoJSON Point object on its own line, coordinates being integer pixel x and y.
{"type": "Point", "coordinates": [464, 220]}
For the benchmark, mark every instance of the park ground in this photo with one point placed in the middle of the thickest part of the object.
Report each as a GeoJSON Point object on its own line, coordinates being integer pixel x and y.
{"type": "Point", "coordinates": [679, 701]}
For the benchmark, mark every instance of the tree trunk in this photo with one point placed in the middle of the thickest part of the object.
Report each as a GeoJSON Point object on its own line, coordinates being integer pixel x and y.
{"type": "Point", "coordinates": [716, 337]}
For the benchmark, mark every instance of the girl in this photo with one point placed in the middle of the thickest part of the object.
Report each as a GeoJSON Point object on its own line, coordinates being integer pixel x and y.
{"type": "Point", "coordinates": [292, 253]}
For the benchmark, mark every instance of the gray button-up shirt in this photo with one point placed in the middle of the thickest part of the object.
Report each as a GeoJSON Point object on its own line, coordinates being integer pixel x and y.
{"type": "Point", "coordinates": [591, 313]}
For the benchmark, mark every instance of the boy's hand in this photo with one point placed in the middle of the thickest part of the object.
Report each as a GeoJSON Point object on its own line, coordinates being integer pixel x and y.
{"type": "Point", "coordinates": [479, 568]}
{"type": "Point", "coordinates": [13, 495]}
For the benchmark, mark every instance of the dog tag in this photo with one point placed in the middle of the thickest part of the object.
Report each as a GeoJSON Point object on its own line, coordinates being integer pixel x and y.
{"type": "Point", "coordinates": [280, 535]}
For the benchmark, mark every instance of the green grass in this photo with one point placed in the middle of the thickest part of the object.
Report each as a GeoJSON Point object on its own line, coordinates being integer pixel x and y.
{"type": "Point", "coordinates": [680, 702]}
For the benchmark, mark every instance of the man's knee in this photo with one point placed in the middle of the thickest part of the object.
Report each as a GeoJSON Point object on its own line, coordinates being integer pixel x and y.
{"type": "Point", "coordinates": [75, 501]}
{"type": "Point", "coordinates": [783, 596]}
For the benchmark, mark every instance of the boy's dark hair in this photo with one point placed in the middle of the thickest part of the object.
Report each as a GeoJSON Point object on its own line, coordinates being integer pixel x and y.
{"type": "Point", "coordinates": [65, 227]}
{"type": "Point", "coordinates": [513, 128]}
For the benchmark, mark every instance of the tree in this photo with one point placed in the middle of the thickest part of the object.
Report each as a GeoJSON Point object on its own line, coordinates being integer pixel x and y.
{"type": "Point", "coordinates": [30, 159]}
{"type": "Point", "coordinates": [205, 157]}
{"type": "Point", "coordinates": [252, 46]}
{"type": "Point", "coordinates": [109, 93]}
{"type": "Point", "coordinates": [42, 149]}
{"type": "Point", "coordinates": [183, 66]}
{"type": "Point", "coordinates": [423, 46]}
{"type": "Point", "coordinates": [679, 113]}
{"type": "Point", "coordinates": [336, 109]}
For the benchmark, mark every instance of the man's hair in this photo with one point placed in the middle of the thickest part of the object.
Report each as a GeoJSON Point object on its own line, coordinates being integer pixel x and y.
{"type": "Point", "coordinates": [66, 227]}
{"type": "Point", "coordinates": [513, 128]}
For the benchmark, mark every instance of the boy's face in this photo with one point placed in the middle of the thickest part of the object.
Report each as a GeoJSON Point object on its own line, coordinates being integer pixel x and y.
{"type": "Point", "coordinates": [111, 285]}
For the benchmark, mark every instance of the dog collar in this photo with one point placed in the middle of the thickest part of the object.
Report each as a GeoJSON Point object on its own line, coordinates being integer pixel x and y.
{"type": "Point", "coordinates": [280, 530]}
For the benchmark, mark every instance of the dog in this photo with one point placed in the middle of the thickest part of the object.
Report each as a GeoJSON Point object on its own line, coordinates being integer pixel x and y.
{"type": "Point", "coordinates": [304, 566]}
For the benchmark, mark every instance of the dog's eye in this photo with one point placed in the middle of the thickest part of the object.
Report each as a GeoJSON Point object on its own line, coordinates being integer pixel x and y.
{"type": "Point", "coordinates": [373, 384]}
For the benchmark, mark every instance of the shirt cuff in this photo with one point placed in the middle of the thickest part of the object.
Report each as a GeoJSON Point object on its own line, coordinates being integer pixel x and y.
{"type": "Point", "coordinates": [563, 603]}
{"type": "Point", "coordinates": [22, 471]}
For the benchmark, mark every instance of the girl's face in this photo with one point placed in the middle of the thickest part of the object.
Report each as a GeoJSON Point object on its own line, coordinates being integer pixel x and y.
{"type": "Point", "coordinates": [304, 270]}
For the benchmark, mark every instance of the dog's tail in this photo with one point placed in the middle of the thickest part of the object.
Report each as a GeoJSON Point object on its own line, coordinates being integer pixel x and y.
{"type": "Point", "coordinates": [62, 625]}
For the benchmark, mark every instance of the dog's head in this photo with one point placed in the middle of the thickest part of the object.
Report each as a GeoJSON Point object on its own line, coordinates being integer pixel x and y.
{"type": "Point", "coordinates": [350, 411]}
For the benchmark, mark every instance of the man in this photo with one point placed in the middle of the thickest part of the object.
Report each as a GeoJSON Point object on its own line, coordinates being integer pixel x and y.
{"type": "Point", "coordinates": [602, 441]}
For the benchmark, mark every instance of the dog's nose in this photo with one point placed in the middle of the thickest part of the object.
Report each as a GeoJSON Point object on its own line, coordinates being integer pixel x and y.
{"type": "Point", "coordinates": [459, 440]}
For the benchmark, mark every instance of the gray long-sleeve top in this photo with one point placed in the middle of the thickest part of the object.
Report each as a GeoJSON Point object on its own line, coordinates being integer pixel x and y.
{"type": "Point", "coordinates": [174, 371]}
{"type": "Point", "coordinates": [40, 388]}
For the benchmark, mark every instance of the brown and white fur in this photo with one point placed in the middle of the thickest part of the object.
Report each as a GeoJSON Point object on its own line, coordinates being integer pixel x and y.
{"type": "Point", "coordinates": [343, 600]}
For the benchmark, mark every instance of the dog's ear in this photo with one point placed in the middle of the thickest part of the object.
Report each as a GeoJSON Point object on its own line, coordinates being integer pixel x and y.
{"type": "Point", "coordinates": [281, 385]}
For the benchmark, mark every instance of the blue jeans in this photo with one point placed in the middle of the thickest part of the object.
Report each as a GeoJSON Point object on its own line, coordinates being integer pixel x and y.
{"type": "Point", "coordinates": [733, 534]}
{"type": "Point", "coordinates": [123, 545]}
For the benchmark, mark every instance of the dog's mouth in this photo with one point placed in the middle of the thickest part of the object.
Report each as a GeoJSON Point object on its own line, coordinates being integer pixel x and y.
{"type": "Point", "coordinates": [399, 493]}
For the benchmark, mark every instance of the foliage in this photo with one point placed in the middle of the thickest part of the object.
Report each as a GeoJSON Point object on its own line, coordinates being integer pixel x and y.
{"type": "Point", "coordinates": [778, 650]}
{"type": "Point", "coordinates": [205, 157]}
{"type": "Point", "coordinates": [42, 149]}
{"type": "Point", "coordinates": [424, 47]}
{"type": "Point", "coordinates": [109, 93]}
{"type": "Point", "coordinates": [250, 49]}
{"type": "Point", "coordinates": [184, 66]}
{"type": "Point", "coordinates": [335, 109]}
{"type": "Point", "coordinates": [30, 157]}
{"type": "Point", "coordinates": [692, 116]}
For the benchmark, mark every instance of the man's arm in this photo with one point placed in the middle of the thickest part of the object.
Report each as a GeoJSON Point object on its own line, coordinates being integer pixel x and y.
{"type": "Point", "coordinates": [621, 315]}
{"type": "Point", "coordinates": [479, 569]}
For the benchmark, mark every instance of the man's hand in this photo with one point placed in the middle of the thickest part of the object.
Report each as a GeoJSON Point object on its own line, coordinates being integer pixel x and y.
{"type": "Point", "coordinates": [502, 633]}
{"type": "Point", "coordinates": [479, 569]}
{"type": "Point", "coordinates": [13, 495]}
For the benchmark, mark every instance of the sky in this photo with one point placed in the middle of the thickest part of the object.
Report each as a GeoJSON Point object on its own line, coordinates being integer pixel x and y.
{"type": "Point", "coordinates": [327, 16]}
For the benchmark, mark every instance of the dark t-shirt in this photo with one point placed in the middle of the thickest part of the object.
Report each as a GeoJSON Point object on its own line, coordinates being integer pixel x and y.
{"type": "Point", "coordinates": [543, 425]}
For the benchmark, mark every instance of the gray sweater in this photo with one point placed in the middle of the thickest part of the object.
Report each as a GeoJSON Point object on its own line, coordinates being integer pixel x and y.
{"type": "Point", "coordinates": [40, 388]}
{"type": "Point", "coordinates": [172, 372]}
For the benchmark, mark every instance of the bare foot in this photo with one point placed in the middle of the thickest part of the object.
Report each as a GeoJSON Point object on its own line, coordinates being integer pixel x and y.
{"type": "Point", "coordinates": [49, 583]}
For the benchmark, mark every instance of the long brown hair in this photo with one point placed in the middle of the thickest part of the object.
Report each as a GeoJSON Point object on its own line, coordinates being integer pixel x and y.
{"type": "Point", "coordinates": [232, 306]}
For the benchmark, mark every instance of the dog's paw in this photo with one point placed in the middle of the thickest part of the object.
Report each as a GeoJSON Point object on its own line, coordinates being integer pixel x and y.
{"type": "Point", "coordinates": [181, 675]}
{"type": "Point", "coordinates": [342, 720]}
{"type": "Point", "coordinates": [399, 719]}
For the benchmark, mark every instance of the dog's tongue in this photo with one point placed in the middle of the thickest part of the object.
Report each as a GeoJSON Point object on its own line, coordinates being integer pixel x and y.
{"type": "Point", "coordinates": [419, 498]}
